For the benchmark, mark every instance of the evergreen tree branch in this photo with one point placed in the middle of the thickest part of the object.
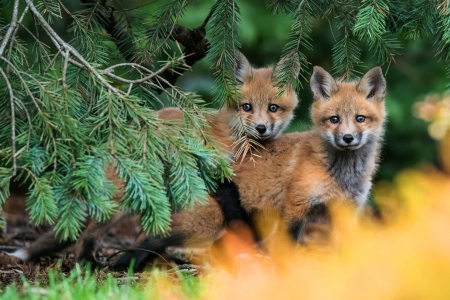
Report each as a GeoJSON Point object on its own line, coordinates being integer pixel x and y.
{"type": "Point", "coordinates": [11, 28]}
{"type": "Point", "coordinates": [285, 6]}
{"type": "Point", "coordinates": [224, 44]}
{"type": "Point", "coordinates": [68, 49]}
{"type": "Point", "coordinates": [195, 44]}
{"type": "Point", "coordinates": [109, 71]}
{"type": "Point", "coordinates": [346, 53]}
{"type": "Point", "coordinates": [165, 23]}
{"type": "Point", "coordinates": [13, 121]}
{"type": "Point", "coordinates": [27, 147]}
{"type": "Point", "coordinates": [25, 85]}
{"type": "Point", "coordinates": [15, 30]}
{"type": "Point", "coordinates": [442, 40]}
{"type": "Point", "coordinates": [111, 26]}
{"type": "Point", "coordinates": [66, 106]}
{"type": "Point", "coordinates": [293, 61]}
{"type": "Point", "coordinates": [193, 40]}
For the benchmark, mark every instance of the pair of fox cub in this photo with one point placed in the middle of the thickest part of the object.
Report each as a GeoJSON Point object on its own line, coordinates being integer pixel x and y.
{"type": "Point", "coordinates": [297, 172]}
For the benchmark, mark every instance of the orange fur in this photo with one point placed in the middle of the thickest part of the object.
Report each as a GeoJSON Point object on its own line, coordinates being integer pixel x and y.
{"type": "Point", "coordinates": [295, 172]}
{"type": "Point", "coordinates": [257, 90]}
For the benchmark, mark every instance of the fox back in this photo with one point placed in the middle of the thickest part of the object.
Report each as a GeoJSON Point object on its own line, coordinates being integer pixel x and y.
{"type": "Point", "coordinates": [258, 107]}
{"type": "Point", "coordinates": [302, 171]}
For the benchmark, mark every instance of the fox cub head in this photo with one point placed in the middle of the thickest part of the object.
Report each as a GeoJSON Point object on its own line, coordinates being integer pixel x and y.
{"type": "Point", "coordinates": [259, 106]}
{"type": "Point", "coordinates": [349, 115]}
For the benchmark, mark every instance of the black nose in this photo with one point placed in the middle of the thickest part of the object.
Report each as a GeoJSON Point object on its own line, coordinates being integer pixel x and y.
{"type": "Point", "coordinates": [261, 128]}
{"type": "Point", "coordinates": [348, 138]}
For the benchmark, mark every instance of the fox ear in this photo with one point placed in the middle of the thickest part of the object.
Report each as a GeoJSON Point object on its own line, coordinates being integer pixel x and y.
{"type": "Point", "coordinates": [373, 84]}
{"type": "Point", "coordinates": [322, 83]}
{"type": "Point", "coordinates": [242, 68]}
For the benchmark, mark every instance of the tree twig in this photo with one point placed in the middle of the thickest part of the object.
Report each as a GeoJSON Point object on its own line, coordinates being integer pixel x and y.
{"type": "Point", "coordinates": [13, 121]}
{"type": "Point", "coordinates": [59, 43]}
{"type": "Point", "coordinates": [108, 71]}
{"type": "Point", "coordinates": [193, 40]}
{"type": "Point", "coordinates": [11, 28]}
{"type": "Point", "coordinates": [15, 32]}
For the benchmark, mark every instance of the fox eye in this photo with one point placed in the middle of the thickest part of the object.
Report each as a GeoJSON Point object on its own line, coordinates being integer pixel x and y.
{"type": "Point", "coordinates": [360, 119]}
{"type": "Point", "coordinates": [273, 107]}
{"type": "Point", "coordinates": [334, 119]}
{"type": "Point", "coordinates": [247, 107]}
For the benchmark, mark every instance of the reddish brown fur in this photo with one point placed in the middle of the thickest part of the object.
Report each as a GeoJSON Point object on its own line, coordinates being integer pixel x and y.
{"type": "Point", "coordinates": [258, 90]}
{"type": "Point", "coordinates": [295, 168]}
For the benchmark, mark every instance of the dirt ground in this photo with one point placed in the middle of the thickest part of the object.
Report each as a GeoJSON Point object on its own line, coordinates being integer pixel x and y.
{"type": "Point", "coordinates": [18, 233]}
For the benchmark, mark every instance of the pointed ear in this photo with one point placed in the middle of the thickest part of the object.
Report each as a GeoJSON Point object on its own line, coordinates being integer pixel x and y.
{"type": "Point", "coordinates": [322, 83]}
{"type": "Point", "coordinates": [373, 84]}
{"type": "Point", "coordinates": [242, 68]}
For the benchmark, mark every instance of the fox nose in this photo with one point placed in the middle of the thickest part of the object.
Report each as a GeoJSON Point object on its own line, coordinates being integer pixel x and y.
{"type": "Point", "coordinates": [261, 128]}
{"type": "Point", "coordinates": [348, 138]}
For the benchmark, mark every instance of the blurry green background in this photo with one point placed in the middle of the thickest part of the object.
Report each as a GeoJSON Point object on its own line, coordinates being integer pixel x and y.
{"type": "Point", "coordinates": [415, 73]}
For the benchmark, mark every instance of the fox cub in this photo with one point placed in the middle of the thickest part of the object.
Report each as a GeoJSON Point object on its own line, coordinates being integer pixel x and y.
{"type": "Point", "coordinates": [258, 107]}
{"type": "Point", "coordinates": [300, 171]}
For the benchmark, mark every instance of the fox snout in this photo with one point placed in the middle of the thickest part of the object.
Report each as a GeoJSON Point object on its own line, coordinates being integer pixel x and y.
{"type": "Point", "coordinates": [267, 131]}
{"type": "Point", "coordinates": [261, 128]}
{"type": "Point", "coordinates": [348, 141]}
{"type": "Point", "coordinates": [348, 138]}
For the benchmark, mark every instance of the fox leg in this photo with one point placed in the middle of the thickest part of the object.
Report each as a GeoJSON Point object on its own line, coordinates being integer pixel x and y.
{"type": "Point", "coordinates": [295, 211]}
{"type": "Point", "coordinates": [199, 226]}
{"type": "Point", "coordinates": [317, 213]}
{"type": "Point", "coordinates": [237, 219]}
{"type": "Point", "coordinates": [152, 247]}
{"type": "Point", "coordinates": [46, 244]}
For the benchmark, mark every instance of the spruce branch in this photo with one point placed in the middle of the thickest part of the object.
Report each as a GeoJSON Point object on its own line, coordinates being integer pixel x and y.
{"type": "Point", "coordinates": [109, 71]}
{"type": "Point", "coordinates": [346, 52]}
{"type": "Point", "coordinates": [293, 61]}
{"type": "Point", "coordinates": [285, 6]}
{"type": "Point", "coordinates": [194, 41]}
{"type": "Point", "coordinates": [442, 39]}
{"type": "Point", "coordinates": [127, 49]}
{"type": "Point", "coordinates": [25, 85]}
{"type": "Point", "coordinates": [68, 49]}
{"type": "Point", "coordinates": [165, 22]}
{"type": "Point", "coordinates": [72, 103]}
{"type": "Point", "coordinates": [5, 179]}
{"type": "Point", "coordinates": [13, 122]}
{"type": "Point", "coordinates": [371, 19]}
{"type": "Point", "coordinates": [19, 22]}
{"type": "Point", "coordinates": [195, 44]}
{"type": "Point", "coordinates": [224, 32]}
{"type": "Point", "coordinates": [22, 105]}
{"type": "Point", "coordinates": [11, 28]}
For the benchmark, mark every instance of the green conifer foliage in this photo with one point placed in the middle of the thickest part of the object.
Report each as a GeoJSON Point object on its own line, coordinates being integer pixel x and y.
{"type": "Point", "coordinates": [72, 109]}
{"type": "Point", "coordinates": [84, 106]}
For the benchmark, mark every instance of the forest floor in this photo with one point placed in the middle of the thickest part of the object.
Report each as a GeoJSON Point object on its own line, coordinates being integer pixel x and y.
{"type": "Point", "coordinates": [19, 233]}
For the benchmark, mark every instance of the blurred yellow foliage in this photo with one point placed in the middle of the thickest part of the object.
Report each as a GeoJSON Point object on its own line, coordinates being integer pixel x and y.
{"type": "Point", "coordinates": [436, 110]}
{"type": "Point", "coordinates": [405, 256]}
